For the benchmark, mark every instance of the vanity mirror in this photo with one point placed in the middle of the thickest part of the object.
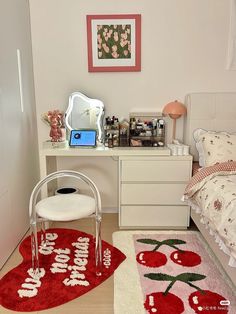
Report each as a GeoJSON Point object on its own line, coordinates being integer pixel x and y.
{"type": "Point", "coordinates": [85, 113]}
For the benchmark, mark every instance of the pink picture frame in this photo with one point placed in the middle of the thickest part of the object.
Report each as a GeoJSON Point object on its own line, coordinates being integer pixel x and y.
{"type": "Point", "coordinates": [114, 43]}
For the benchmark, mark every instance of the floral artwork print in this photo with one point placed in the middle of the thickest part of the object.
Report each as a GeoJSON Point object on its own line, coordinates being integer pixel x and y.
{"type": "Point", "coordinates": [114, 41]}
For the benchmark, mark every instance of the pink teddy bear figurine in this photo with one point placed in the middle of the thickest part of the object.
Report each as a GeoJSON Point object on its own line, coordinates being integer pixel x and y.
{"type": "Point", "coordinates": [55, 118]}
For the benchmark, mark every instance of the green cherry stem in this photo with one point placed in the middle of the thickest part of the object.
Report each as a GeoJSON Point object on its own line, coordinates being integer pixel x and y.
{"type": "Point", "coordinates": [156, 247]}
{"type": "Point", "coordinates": [168, 242]}
{"type": "Point", "coordinates": [193, 286]}
{"type": "Point", "coordinates": [170, 286]}
{"type": "Point", "coordinates": [187, 282]}
{"type": "Point", "coordinates": [184, 277]}
{"type": "Point", "coordinates": [171, 245]}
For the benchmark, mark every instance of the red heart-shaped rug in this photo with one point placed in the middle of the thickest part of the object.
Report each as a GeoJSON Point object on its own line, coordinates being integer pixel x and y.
{"type": "Point", "coordinates": [67, 270]}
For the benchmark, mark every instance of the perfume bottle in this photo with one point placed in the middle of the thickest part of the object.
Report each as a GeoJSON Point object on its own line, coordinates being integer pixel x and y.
{"type": "Point", "coordinates": [110, 141]}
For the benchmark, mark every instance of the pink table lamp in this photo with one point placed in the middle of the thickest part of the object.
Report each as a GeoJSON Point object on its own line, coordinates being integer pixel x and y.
{"type": "Point", "coordinates": [174, 110]}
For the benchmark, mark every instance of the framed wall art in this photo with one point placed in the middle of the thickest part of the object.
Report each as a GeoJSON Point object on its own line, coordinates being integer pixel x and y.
{"type": "Point", "coordinates": [114, 43]}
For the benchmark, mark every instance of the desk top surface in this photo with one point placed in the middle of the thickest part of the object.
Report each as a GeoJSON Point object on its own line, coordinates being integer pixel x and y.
{"type": "Point", "coordinates": [102, 151]}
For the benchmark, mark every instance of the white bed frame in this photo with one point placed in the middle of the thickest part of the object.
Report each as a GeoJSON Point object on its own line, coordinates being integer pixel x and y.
{"type": "Point", "coordinates": [210, 111]}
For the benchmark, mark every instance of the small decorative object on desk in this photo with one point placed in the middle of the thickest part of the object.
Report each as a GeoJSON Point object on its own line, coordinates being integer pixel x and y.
{"type": "Point", "coordinates": [178, 149]}
{"type": "Point", "coordinates": [55, 119]}
{"type": "Point", "coordinates": [111, 128]}
{"type": "Point", "coordinates": [174, 110]}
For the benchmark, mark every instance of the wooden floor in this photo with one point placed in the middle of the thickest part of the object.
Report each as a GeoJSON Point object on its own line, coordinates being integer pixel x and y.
{"type": "Point", "coordinates": [100, 299]}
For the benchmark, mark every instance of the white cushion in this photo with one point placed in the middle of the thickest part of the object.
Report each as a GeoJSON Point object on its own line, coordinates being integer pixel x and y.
{"type": "Point", "coordinates": [214, 147]}
{"type": "Point", "coordinates": [66, 207]}
{"type": "Point", "coordinates": [197, 136]}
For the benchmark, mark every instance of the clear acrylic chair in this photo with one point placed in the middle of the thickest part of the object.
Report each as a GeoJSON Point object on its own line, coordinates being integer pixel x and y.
{"type": "Point", "coordinates": [64, 208]}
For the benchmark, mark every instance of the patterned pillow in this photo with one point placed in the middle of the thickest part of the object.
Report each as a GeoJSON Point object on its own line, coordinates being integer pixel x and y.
{"type": "Point", "coordinates": [214, 147]}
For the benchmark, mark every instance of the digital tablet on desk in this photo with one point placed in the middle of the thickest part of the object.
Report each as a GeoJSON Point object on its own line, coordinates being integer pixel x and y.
{"type": "Point", "coordinates": [83, 138]}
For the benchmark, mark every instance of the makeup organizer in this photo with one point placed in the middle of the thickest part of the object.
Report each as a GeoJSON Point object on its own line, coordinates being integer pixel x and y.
{"type": "Point", "coordinates": [142, 130]}
{"type": "Point", "coordinates": [147, 129]}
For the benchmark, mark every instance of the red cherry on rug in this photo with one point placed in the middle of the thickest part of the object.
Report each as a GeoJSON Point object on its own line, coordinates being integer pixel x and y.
{"type": "Point", "coordinates": [185, 258]}
{"type": "Point", "coordinates": [151, 258]}
{"type": "Point", "coordinates": [207, 302]}
{"type": "Point", "coordinates": [160, 303]}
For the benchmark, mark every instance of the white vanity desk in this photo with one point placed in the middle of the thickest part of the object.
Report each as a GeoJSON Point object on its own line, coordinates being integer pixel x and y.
{"type": "Point", "coordinates": [151, 183]}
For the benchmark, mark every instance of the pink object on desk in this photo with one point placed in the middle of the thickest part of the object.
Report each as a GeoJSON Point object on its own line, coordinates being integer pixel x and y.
{"type": "Point", "coordinates": [174, 110]}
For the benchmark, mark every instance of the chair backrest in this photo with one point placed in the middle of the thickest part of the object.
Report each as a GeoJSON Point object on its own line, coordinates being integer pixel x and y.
{"type": "Point", "coordinates": [60, 174]}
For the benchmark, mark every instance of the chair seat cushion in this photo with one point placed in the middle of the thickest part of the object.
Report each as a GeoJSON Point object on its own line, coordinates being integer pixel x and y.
{"type": "Point", "coordinates": [66, 207]}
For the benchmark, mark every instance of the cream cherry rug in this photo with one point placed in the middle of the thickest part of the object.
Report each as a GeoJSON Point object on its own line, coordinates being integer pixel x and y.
{"type": "Point", "coordinates": [169, 272]}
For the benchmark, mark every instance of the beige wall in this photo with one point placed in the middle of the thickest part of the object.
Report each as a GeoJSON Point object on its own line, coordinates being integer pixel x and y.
{"type": "Point", "coordinates": [184, 48]}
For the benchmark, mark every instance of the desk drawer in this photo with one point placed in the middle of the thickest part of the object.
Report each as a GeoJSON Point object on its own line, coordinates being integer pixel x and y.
{"type": "Point", "coordinates": [154, 170]}
{"type": "Point", "coordinates": [154, 216]}
{"type": "Point", "coordinates": [151, 193]}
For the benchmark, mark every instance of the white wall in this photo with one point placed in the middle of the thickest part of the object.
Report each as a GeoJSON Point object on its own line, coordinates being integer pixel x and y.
{"type": "Point", "coordinates": [184, 48]}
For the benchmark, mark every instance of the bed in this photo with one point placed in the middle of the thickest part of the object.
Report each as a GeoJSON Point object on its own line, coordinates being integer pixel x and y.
{"type": "Point", "coordinates": [215, 112]}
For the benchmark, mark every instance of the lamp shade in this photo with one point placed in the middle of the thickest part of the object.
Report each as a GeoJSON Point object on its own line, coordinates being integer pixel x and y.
{"type": "Point", "coordinates": [174, 109]}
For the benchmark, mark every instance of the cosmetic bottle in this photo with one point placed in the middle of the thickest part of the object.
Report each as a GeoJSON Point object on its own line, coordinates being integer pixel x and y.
{"type": "Point", "coordinates": [110, 141]}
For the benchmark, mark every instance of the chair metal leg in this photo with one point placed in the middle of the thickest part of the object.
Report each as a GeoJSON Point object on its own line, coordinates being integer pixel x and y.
{"type": "Point", "coordinates": [98, 247]}
{"type": "Point", "coordinates": [43, 233]}
{"type": "Point", "coordinates": [34, 248]}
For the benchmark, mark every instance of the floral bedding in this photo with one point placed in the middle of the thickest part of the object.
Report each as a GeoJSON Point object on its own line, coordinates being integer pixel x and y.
{"type": "Point", "coordinates": [213, 189]}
